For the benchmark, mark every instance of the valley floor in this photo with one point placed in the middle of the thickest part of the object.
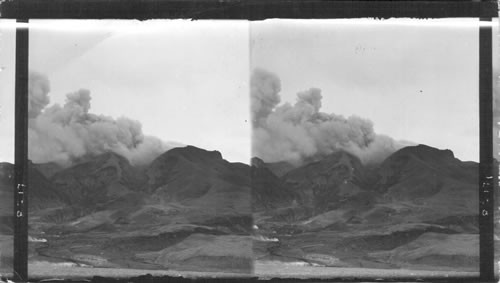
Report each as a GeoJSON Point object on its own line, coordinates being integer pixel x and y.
{"type": "Point", "coordinates": [270, 269]}
{"type": "Point", "coordinates": [49, 270]}
{"type": "Point", "coordinates": [262, 269]}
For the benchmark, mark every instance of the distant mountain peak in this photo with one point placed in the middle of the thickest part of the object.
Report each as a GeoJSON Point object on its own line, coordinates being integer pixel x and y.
{"type": "Point", "coordinates": [257, 162]}
{"type": "Point", "coordinates": [340, 155]}
{"type": "Point", "coordinates": [115, 165]}
{"type": "Point", "coordinates": [115, 157]}
{"type": "Point", "coordinates": [105, 157]}
{"type": "Point", "coordinates": [194, 153]}
{"type": "Point", "coordinates": [6, 165]}
{"type": "Point", "coordinates": [426, 152]}
{"type": "Point", "coordinates": [334, 159]}
{"type": "Point", "coordinates": [6, 172]}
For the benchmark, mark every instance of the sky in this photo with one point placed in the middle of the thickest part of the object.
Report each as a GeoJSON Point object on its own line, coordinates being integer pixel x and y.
{"type": "Point", "coordinates": [7, 64]}
{"type": "Point", "coordinates": [188, 81]}
{"type": "Point", "coordinates": [416, 80]}
{"type": "Point", "coordinates": [185, 81]}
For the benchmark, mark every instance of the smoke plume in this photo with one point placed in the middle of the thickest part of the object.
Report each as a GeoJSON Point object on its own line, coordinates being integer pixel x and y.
{"type": "Point", "coordinates": [299, 132]}
{"type": "Point", "coordinates": [63, 133]}
{"type": "Point", "coordinates": [39, 87]}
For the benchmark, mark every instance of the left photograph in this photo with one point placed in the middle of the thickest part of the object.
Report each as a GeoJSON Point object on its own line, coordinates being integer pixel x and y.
{"type": "Point", "coordinates": [7, 74]}
{"type": "Point", "coordinates": [134, 165]}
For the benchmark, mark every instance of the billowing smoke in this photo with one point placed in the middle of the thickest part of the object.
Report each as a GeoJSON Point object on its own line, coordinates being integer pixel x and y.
{"type": "Point", "coordinates": [264, 89]}
{"type": "Point", "coordinates": [39, 87]}
{"type": "Point", "coordinates": [62, 134]}
{"type": "Point", "coordinates": [299, 132]}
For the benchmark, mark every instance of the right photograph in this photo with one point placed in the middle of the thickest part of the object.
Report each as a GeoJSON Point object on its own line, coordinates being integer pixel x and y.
{"type": "Point", "coordinates": [365, 145]}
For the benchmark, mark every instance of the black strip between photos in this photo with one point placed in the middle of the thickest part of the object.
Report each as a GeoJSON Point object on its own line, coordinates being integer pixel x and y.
{"type": "Point", "coordinates": [22, 10]}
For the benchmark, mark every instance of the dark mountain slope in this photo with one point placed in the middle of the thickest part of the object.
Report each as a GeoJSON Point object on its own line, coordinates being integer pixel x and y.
{"type": "Point", "coordinates": [432, 183]}
{"type": "Point", "coordinates": [416, 183]}
{"type": "Point", "coordinates": [103, 179]}
{"type": "Point", "coordinates": [277, 168]}
{"type": "Point", "coordinates": [269, 191]}
{"type": "Point", "coordinates": [331, 183]}
{"type": "Point", "coordinates": [41, 192]}
{"type": "Point", "coordinates": [210, 186]}
{"type": "Point", "coordinates": [116, 212]}
{"type": "Point", "coordinates": [48, 169]}
{"type": "Point", "coordinates": [396, 214]}
{"type": "Point", "coordinates": [6, 198]}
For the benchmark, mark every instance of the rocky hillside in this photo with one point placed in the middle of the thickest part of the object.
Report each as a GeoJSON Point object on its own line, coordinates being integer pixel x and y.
{"type": "Point", "coordinates": [102, 211]}
{"type": "Point", "coordinates": [348, 214]}
{"type": "Point", "coordinates": [191, 203]}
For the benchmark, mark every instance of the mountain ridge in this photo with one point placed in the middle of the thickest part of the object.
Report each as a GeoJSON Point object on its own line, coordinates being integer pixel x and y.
{"type": "Point", "coordinates": [337, 202]}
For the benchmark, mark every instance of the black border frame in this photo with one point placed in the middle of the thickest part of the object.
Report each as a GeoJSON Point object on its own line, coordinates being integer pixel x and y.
{"type": "Point", "coordinates": [22, 10]}
{"type": "Point", "coordinates": [486, 168]}
{"type": "Point", "coordinates": [21, 155]}
{"type": "Point", "coordinates": [243, 9]}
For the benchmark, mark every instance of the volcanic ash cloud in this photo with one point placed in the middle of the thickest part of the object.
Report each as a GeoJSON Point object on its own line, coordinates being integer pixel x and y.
{"type": "Point", "coordinates": [299, 132]}
{"type": "Point", "coordinates": [63, 133]}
